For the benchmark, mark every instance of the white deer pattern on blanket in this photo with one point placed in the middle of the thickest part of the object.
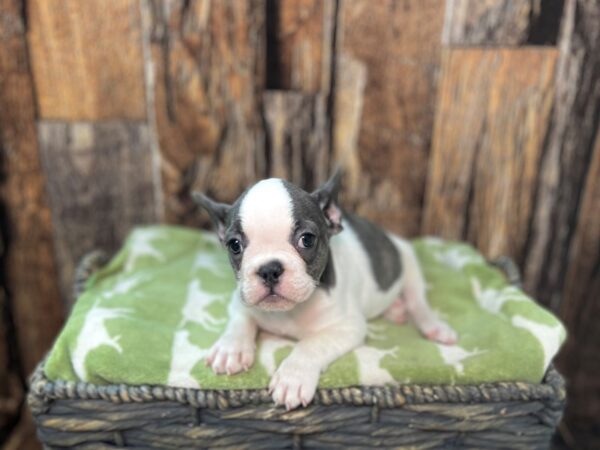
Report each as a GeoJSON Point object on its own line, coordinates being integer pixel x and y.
{"type": "Point", "coordinates": [493, 300]}
{"type": "Point", "coordinates": [185, 356]}
{"type": "Point", "coordinates": [454, 355]}
{"type": "Point", "coordinates": [124, 286]}
{"type": "Point", "coordinates": [93, 334]}
{"type": "Point", "coordinates": [457, 258]}
{"type": "Point", "coordinates": [195, 308]}
{"type": "Point", "coordinates": [370, 372]}
{"type": "Point", "coordinates": [141, 246]}
{"type": "Point", "coordinates": [549, 337]}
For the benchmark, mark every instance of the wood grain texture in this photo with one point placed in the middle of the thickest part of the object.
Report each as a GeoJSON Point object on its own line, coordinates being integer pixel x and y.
{"type": "Point", "coordinates": [501, 22]}
{"type": "Point", "coordinates": [303, 44]}
{"type": "Point", "coordinates": [23, 436]}
{"type": "Point", "coordinates": [31, 273]}
{"type": "Point", "coordinates": [572, 130]}
{"type": "Point", "coordinates": [87, 59]}
{"type": "Point", "coordinates": [491, 120]}
{"type": "Point", "coordinates": [580, 308]}
{"type": "Point", "coordinates": [351, 78]}
{"type": "Point", "coordinates": [488, 22]}
{"type": "Point", "coordinates": [11, 387]}
{"type": "Point", "coordinates": [399, 44]}
{"type": "Point", "coordinates": [102, 184]}
{"type": "Point", "coordinates": [298, 136]}
{"type": "Point", "coordinates": [209, 75]}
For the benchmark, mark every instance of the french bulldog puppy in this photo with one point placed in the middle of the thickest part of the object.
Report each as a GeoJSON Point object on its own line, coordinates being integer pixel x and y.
{"type": "Point", "coordinates": [310, 271]}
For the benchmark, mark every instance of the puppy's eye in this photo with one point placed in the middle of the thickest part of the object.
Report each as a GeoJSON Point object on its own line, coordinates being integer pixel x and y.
{"type": "Point", "coordinates": [235, 246]}
{"type": "Point", "coordinates": [307, 240]}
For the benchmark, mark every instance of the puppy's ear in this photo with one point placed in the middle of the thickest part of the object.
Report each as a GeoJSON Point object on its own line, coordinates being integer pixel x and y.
{"type": "Point", "coordinates": [217, 212]}
{"type": "Point", "coordinates": [327, 197]}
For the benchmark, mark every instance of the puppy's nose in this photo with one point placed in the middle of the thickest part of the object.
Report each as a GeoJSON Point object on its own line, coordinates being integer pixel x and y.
{"type": "Point", "coordinates": [270, 272]}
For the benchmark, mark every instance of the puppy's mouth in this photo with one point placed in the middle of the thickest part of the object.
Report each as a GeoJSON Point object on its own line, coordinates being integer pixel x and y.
{"type": "Point", "coordinates": [273, 301]}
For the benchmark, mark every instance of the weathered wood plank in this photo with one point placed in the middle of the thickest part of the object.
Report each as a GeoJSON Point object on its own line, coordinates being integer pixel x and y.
{"type": "Point", "coordinates": [101, 184]}
{"type": "Point", "coordinates": [302, 44]}
{"type": "Point", "coordinates": [23, 435]}
{"type": "Point", "coordinates": [580, 308]}
{"type": "Point", "coordinates": [462, 100]}
{"type": "Point", "coordinates": [399, 44]}
{"type": "Point", "coordinates": [87, 59]}
{"type": "Point", "coordinates": [491, 120]}
{"type": "Point", "coordinates": [11, 392]}
{"type": "Point", "coordinates": [570, 141]}
{"type": "Point", "coordinates": [298, 136]}
{"type": "Point", "coordinates": [510, 148]}
{"type": "Point", "coordinates": [209, 72]}
{"type": "Point", "coordinates": [351, 78]}
{"type": "Point", "coordinates": [501, 22]}
{"type": "Point", "coordinates": [31, 272]}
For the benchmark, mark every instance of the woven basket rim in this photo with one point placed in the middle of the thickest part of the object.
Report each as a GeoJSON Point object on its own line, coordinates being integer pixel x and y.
{"type": "Point", "coordinates": [43, 391]}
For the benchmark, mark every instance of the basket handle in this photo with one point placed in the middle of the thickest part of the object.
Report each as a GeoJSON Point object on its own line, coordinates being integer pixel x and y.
{"type": "Point", "coordinates": [510, 269]}
{"type": "Point", "coordinates": [89, 264]}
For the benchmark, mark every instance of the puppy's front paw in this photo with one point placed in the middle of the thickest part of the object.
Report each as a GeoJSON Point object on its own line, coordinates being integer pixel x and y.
{"type": "Point", "coordinates": [294, 384]}
{"type": "Point", "coordinates": [231, 354]}
{"type": "Point", "coordinates": [441, 332]}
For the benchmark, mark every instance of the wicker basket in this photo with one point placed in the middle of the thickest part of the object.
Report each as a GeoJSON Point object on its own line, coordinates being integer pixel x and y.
{"type": "Point", "coordinates": [497, 415]}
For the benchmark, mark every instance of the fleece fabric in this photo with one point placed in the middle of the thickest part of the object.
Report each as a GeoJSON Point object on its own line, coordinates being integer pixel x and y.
{"type": "Point", "coordinates": [152, 313]}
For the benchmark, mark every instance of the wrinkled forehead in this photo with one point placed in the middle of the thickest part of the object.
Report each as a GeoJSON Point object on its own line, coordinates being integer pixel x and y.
{"type": "Point", "coordinates": [267, 210]}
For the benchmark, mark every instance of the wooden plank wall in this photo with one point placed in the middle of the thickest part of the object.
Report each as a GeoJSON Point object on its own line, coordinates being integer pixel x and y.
{"type": "Point", "coordinates": [491, 119]}
{"type": "Point", "coordinates": [398, 45]}
{"type": "Point", "coordinates": [31, 309]}
{"type": "Point", "coordinates": [469, 119]}
{"type": "Point", "coordinates": [513, 167]}
{"type": "Point", "coordinates": [92, 130]}
{"type": "Point", "coordinates": [207, 72]}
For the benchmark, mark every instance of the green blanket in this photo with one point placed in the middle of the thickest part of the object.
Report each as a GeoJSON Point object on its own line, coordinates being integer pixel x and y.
{"type": "Point", "coordinates": [151, 314]}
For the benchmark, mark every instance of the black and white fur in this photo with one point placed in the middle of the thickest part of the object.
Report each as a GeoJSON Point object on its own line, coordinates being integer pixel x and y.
{"type": "Point", "coordinates": [309, 271]}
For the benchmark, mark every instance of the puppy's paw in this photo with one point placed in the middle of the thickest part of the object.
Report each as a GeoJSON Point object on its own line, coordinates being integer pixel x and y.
{"type": "Point", "coordinates": [441, 332]}
{"type": "Point", "coordinates": [231, 354]}
{"type": "Point", "coordinates": [294, 384]}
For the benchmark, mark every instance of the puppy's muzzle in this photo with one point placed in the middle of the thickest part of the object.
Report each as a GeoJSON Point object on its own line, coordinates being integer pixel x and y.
{"type": "Point", "coordinates": [270, 273]}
